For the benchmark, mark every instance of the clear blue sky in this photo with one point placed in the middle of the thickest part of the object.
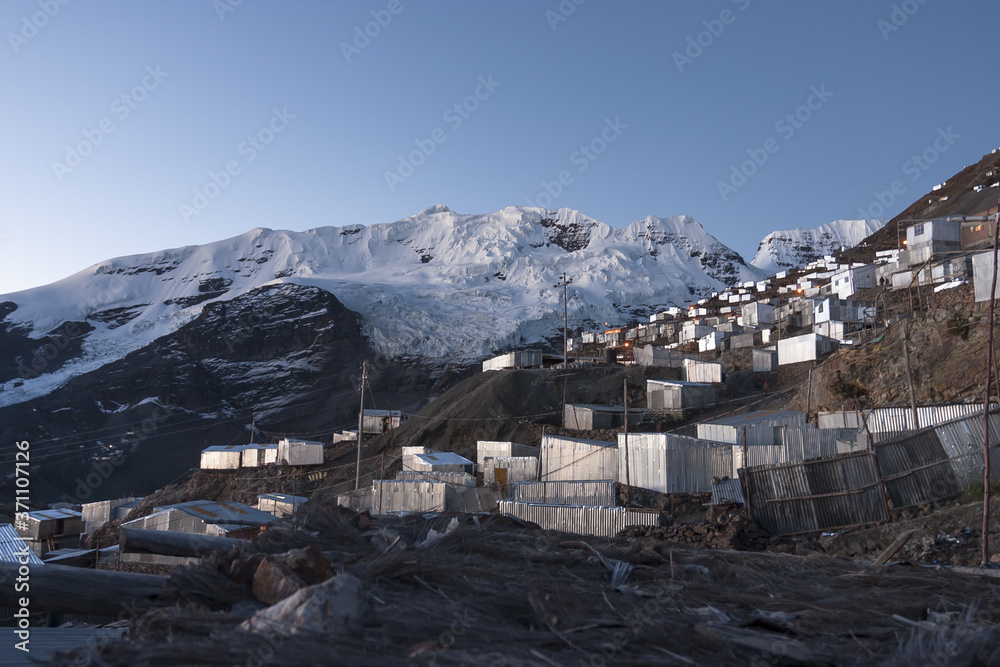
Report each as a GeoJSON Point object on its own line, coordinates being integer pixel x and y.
{"type": "Point", "coordinates": [199, 79]}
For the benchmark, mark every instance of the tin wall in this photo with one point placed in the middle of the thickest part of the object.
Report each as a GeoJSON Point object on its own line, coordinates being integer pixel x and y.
{"type": "Point", "coordinates": [485, 448]}
{"type": "Point", "coordinates": [519, 469]}
{"type": "Point", "coordinates": [670, 463]}
{"type": "Point", "coordinates": [601, 492]}
{"type": "Point", "coordinates": [566, 459]}
{"type": "Point", "coordinates": [390, 496]}
{"type": "Point", "coordinates": [597, 521]}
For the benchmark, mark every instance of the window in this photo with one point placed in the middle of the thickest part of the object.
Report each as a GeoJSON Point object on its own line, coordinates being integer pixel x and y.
{"type": "Point", "coordinates": [918, 229]}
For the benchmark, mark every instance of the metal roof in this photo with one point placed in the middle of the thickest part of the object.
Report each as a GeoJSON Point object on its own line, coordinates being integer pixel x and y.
{"type": "Point", "coordinates": [680, 383]}
{"type": "Point", "coordinates": [46, 642]}
{"type": "Point", "coordinates": [382, 413]}
{"type": "Point", "coordinates": [12, 546]}
{"type": "Point", "coordinates": [284, 498]}
{"type": "Point", "coordinates": [258, 446]}
{"type": "Point", "coordinates": [223, 512]}
{"type": "Point", "coordinates": [444, 458]}
{"type": "Point", "coordinates": [224, 448]}
{"type": "Point", "coordinates": [616, 409]}
{"type": "Point", "coordinates": [753, 417]}
{"type": "Point", "coordinates": [52, 515]}
{"type": "Point", "coordinates": [596, 443]}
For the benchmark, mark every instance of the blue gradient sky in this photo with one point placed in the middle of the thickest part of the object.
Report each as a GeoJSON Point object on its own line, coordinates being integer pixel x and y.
{"type": "Point", "coordinates": [680, 130]}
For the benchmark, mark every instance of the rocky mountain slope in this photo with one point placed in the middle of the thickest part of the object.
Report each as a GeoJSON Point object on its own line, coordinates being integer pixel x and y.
{"type": "Point", "coordinates": [797, 247]}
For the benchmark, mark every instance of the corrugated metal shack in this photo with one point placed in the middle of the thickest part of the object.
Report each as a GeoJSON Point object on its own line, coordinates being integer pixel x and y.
{"type": "Point", "coordinates": [575, 459]}
{"type": "Point", "coordinates": [648, 355]}
{"type": "Point", "coordinates": [300, 452]}
{"type": "Point", "coordinates": [793, 444]}
{"type": "Point", "coordinates": [221, 457]}
{"type": "Point", "coordinates": [676, 395]}
{"type": "Point", "coordinates": [752, 428]}
{"type": "Point", "coordinates": [409, 455]}
{"type": "Point", "coordinates": [596, 492]}
{"type": "Point", "coordinates": [12, 546]}
{"type": "Point", "coordinates": [47, 530]}
{"type": "Point", "coordinates": [442, 462]}
{"type": "Point", "coordinates": [587, 417]}
{"type": "Point", "coordinates": [670, 463]}
{"type": "Point", "coordinates": [492, 448]}
{"type": "Point", "coordinates": [506, 470]}
{"type": "Point", "coordinates": [696, 370]}
{"type": "Point", "coordinates": [99, 513]}
{"type": "Point", "coordinates": [391, 496]}
{"type": "Point", "coordinates": [226, 518]}
{"type": "Point", "coordinates": [807, 347]}
{"type": "Point", "coordinates": [516, 359]}
{"type": "Point", "coordinates": [280, 504]}
{"type": "Point", "coordinates": [256, 456]}
{"type": "Point", "coordinates": [765, 361]}
{"type": "Point", "coordinates": [380, 421]}
{"type": "Point", "coordinates": [456, 479]}
{"type": "Point", "coordinates": [598, 521]}
{"type": "Point", "coordinates": [820, 494]}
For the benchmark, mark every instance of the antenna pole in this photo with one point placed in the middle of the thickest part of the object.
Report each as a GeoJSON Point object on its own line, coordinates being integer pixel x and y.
{"type": "Point", "coordinates": [564, 282]}
{"type": "Point", "coordinates": [361, 417]}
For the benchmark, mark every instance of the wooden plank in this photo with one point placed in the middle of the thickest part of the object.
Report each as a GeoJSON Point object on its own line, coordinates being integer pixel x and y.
{"type": "Point", "coordinates": [75, 590]}
{"type": "Point", "coordinates": [896, 545]}
{"type": "Point", "coordinates": [172, 543]}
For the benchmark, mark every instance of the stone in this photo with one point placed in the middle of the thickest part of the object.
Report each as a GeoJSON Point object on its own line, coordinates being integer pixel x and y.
{"type": "Point", "coordinates": [274, 581]}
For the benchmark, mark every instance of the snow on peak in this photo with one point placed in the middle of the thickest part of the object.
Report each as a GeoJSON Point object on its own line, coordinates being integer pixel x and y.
{"type": "Point", "coordinates": [797, 247]}
{"type": "Point", "coordinates": [438, 284]}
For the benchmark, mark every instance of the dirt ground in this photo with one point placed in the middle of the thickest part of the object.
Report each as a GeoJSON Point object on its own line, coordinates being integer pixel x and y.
{"type": "Point", "coordinates": [496, 592]}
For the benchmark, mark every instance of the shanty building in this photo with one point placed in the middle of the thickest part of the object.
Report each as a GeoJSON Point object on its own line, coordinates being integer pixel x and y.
{"type": "Point", "coordinates": [677, 395]}
{"type": "Point", "coordinates": [808, 347]}
{"type": "Point", "coordinates": [587, 417]}
{"type": "Point", "coordinates": [650, 355]}
{"type": "Point", "coordinates": [670, 463]}
{"type": "Point", "coordinates": [598, 521]}
{"type": "Point", "coordinates": [576, 459]}
{"type": "Point", "coordinates": [391, 496]}
{"type": "Point", "coordinates": [492, 448]}
{"type": "Point", "coordinates": [757, 313]}
{"type": "Point", "coordinates": [226, 518]}
{"type": "Point", "coordinates": [299, 452]}
{"type": "Point", "coordinates": [846, 282]}
{"type": "Point", "coordinates": [506, 470]}
{"type": "Point", "coordinates": [925, 239]}
{"type": "Point", "coordinates": [692, 331]}
{"type": "Point", "coordinates": [97, 514]}
{"type": "Point", "coordinates": [280, 504]}
{"type": "Point", "coordinates": [257, 456]}
{"type": "Point", "coordinates": [696, 370]}
{"type": "Point", "coordinates": [982, 274]}
{"type": "Point", "coordinates": [765, 360]}
{"type": "Point", "coordinates": [380, 421]}
{"type": "Point", "coordinates": [442, 462]}
{"type": "Point", "coordinates": [12, 547]}
{"type": "Point", "coordinates": [752, 428]}
{"type": "Point", "coordinates": [516, 359]}
{"type": "Point", "coordinates": [221, 457]}
{"type": "Point", "coordinates": [48, 530]}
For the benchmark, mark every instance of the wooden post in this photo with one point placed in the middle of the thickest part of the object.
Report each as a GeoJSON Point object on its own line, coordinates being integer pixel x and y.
{"type": "Point", "coordinates": [628, 479]}
{"type": "Point", "coordinates": [361, 423]}
{"type": "Point", "coordinates": [909, 372]}
{"type": "Point", "coordinates": [809, 394]}
{"type": "Point", "coordinates": [878, 467]}
{"type": "Point", "coordinates": [986, 400]}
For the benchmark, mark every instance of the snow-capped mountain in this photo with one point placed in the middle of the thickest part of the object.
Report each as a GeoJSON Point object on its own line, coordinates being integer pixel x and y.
{"type": "Point", "coordinates": [437, 285]}
{"type": "Point", "coordinates": [797, 247]}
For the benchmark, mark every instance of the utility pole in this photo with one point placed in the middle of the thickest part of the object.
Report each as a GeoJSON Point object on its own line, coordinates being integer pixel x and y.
{"type": "Point", "coordinates": [361, 417]}
{"type": "Point", "coordinates": [986, 401]}
{"type": "Point", "coordinates": [564, 282]}
{"type": "Point", "coordinates": [628, 480]}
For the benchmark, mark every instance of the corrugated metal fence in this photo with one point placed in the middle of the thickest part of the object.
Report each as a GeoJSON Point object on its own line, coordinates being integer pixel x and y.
{"type": "Point", "coordinates": [819, 494]}
{"type": "Point", "coordinates": [598, 521]}
{"type": "Point", "coordinates": [566, 493]}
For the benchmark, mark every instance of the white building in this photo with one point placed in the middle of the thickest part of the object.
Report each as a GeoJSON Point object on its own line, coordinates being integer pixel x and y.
{"type": "Point", "coordinates": [300, 452]}
{"type": "Point", "coordinates": [808, 347]}
{"type": "Point", "coordinates": [576, 459]}
{"type": "Point", "coordinates": [846, 282]}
